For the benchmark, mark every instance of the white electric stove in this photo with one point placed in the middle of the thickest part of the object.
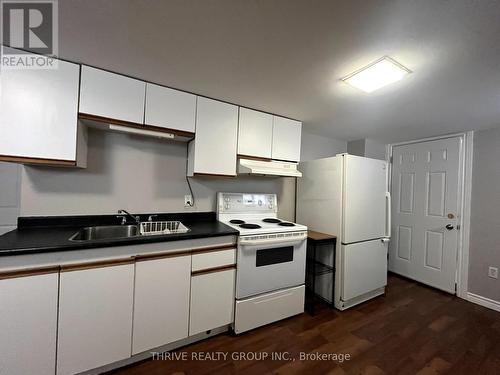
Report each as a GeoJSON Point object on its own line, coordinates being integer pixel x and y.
{"type": "Point", "coordinates": [271, 259]}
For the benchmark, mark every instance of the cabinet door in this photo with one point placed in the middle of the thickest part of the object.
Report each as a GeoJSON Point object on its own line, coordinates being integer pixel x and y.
{"type": "Point", "coordinates": [112, 95]}
{"type": "Point", "coordinates": [212, 301]}
{"type": "Point", "coordinates": [95, 317]}
{"type": "Point", "coordinates": [168, 108]}
{"type": "Point", "coordinates": [216, 138]}
{"type": "Point", "coordinates": [28, 324]}
{"type": "Point", "coordinates": [38, 112]}
{"type": "Point", "coordinates": [161, 304]}
{"type": "Point", "coordinates": [286, 139]}
{"type": "Point", "coordinates": [255, 133]}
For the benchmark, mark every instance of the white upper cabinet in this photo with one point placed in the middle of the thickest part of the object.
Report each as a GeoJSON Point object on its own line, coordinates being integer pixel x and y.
{"type": "Point", "coordinates": [28, 324]}
{"type": "Point", "coordinates": [213, 150]}
{"type": "Point", "coordinates": [161, 302]}
{"type": "Point", "coordinates": [95, 317]}
{"type": "Point", "coordinates": [112, 95]}
{"type": "Point", "coordinates": [38, 112]}
{"type": "Point", "coordinates": [286, 139]}
{"type": "Point", "coordinates": [255, 133]}
{"type": "Point", "coordinates": [171, 109]}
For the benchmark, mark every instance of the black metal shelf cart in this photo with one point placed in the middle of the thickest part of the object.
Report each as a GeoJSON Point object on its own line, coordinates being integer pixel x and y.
{"type": "Point", "coordinates": [315, 268]}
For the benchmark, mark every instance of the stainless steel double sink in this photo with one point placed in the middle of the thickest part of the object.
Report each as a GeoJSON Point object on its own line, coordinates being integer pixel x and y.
{"type": "Point", "coordinates": [110, 232]}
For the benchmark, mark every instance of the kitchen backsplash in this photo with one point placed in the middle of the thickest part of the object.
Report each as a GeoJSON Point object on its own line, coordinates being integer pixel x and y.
{"type": "Point", "coordinates": [137, 174]}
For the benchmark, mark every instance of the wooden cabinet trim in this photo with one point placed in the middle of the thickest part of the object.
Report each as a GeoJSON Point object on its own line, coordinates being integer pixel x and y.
{"type": "Point", "coordinates": [288, 161]}
{"type": "Point", "coordinates": [110, 262]}
{"type": "Point", "coordinates": [97, 264]}
{"type": "Point", "coordinates": [214, 269]}
{"type": "Point", "coordinates": [213, 248]}
{"type": "Point", "coordinates": [249, 157]}
{"type": "Point", "coordinates": [171, 254]}
{"type": "Point", "coordinates": [179, 133]}
{"type": "Point", "coordinates": [162, 255]}
{"type": "Point", "coordinates": [28, 272]}
{"type": "Point", "coordinates": [214, 175]}
{"type": "Point", "coordinates": [31, 160]}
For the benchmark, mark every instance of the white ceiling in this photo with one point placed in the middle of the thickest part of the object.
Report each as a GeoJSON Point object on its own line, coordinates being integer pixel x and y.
{"type": "Point", "coordinates": [287, 56]}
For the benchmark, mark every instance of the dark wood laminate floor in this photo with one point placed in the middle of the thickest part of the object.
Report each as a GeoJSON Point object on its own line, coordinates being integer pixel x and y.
{"type": "Point", "coordinates": [412, 330]}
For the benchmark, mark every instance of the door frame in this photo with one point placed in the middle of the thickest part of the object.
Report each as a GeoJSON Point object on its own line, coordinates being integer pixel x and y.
{"type": "Point", "coordinates": [465, 179]}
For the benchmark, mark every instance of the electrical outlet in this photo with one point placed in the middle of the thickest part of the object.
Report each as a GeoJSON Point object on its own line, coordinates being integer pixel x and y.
{"type": "Point", "coordinates": [493, 272]}
{"type": "Point", "coordinates": [188, 201]}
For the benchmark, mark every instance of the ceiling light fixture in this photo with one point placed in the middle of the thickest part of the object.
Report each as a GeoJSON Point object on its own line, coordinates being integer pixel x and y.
{"type": "Point", "coordinates": [378, 74]}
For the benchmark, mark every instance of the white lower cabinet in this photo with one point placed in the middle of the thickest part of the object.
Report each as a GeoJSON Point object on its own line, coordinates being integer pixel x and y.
{"type": "Point", "coordinates": [28, 324]}
{"type": "Point", "coordinates": [212, 300]}
{"type": "Point", "coordinates": [95, 317]}
{"type": "Point", "coordinates": [161, 304]}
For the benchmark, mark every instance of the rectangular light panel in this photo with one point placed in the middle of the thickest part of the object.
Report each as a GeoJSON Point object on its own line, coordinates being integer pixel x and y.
{"type": "Point", "coordinates": [376, 75]}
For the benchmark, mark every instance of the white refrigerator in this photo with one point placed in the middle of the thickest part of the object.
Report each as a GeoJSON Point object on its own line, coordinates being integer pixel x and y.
{"type": "Point", "coordinates": [347, 196]}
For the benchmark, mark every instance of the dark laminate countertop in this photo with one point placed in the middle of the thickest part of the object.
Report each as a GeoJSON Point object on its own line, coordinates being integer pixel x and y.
{"type": "Point", "coordinates": [49, 234]}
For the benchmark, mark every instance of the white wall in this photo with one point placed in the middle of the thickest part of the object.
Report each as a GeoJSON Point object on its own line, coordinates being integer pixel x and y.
{"type": "Point", "coordinates": [375, 149]}
{"type": "Point", "coordinates": [10, 184]}
{"type": "Point", "coordinates": [317, 146]}
{"type": "Point", "coordinates": [137, 174]}
{"type": "Point", "coordinates": [484, 250]}
{"type": "Point", "coordinates": [356, 147]}
{"type": "Point", "coordinates": [368, 148]}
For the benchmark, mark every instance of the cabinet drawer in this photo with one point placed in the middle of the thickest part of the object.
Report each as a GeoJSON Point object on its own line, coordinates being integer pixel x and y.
{"type": "Point", "coordinates": [257, 311]}
{"type": "Point", "coordinates": [212, 259]}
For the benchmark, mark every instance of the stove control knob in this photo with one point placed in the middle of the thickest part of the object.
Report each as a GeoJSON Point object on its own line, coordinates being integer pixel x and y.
{"type": "Point", "coordinates": [270, 205]}
{"type": "Point", "coordinates": [226, 206]}
{"type": "Point", "coordinates": [260, 203]}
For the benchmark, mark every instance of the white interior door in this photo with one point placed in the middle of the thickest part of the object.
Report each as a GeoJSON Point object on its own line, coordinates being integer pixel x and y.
{"type": "Point", "coordinates": [425, 207]}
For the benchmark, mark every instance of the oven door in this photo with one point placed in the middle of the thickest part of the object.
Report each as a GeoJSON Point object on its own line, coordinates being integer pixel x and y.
{"type": "Point", "coordinates": [269, 264]}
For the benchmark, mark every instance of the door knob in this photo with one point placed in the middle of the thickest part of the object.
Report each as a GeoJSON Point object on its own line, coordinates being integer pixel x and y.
{"type": "Point", "coordinates": [449, 227]}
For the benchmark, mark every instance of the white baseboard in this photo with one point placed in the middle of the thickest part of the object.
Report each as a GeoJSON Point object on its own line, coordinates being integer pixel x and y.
{"type": "Point", "coordinates": [483, 301]}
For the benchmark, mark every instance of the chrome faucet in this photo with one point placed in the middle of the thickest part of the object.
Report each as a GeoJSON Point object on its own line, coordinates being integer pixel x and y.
{"type": "Point", "coordinates": [123, 214]}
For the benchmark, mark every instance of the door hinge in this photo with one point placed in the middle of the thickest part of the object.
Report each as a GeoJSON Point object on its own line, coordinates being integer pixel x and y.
{"type": "Point", "coordinates": [390, 159]}
{"type": "Point", "coordinates": [455, 288]}
{"type": "Point", "coordinates": [458, 226]}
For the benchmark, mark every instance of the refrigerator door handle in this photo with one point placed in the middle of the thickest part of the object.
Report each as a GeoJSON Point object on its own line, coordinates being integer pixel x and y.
{"type": "Point", "coordinates": [388, 214]}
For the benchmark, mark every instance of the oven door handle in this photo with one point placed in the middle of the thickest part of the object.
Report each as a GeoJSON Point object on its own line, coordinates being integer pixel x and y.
{"type": "Point", "coordinates": [281, 240]}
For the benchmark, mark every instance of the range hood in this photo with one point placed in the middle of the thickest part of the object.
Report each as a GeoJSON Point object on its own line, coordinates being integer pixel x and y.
{"type": "Point", "coordinates": [268, 168]}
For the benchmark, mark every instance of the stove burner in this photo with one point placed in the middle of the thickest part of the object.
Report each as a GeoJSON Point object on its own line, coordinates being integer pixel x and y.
{"type": "Point", "coordinates": [250, 226]}
{"type": "Point", "coordinates": [236, 221]}
{"type": "Point", "coordinates": [270, 220]}
{"type": "Point", "coordinates": [287, 224]}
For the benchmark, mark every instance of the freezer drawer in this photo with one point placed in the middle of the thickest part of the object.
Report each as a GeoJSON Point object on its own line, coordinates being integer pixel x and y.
{"type": "Point", "coordinates": [267, 308]}
{"type": "Point", "coordinates": [364, 268]}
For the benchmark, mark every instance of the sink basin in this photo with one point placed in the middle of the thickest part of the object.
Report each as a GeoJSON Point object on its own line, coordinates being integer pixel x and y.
{"type": "Point", "coordinates": [149, 228]}
{"type": "Point", "coordinates": [106, 232]}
